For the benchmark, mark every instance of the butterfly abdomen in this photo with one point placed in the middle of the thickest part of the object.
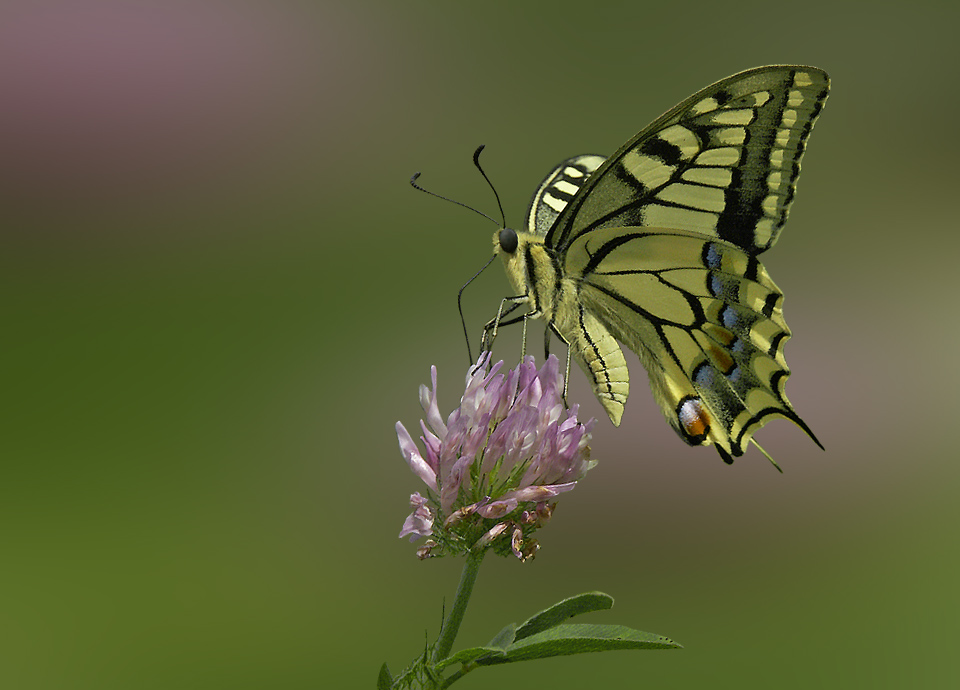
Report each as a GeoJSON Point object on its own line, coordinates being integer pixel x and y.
{"type": "Point", "coordinates": [594, 348]}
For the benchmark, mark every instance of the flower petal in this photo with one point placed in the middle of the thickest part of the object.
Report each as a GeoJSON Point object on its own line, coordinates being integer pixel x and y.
{"type": "Point", "coordinates": [420, 522]}
{"type": "Point", "coordinates": [428, 401]}
{"type": "Point", "coordinates": [499, 508]}
{"type": "Point", "coordinates": [492, 534]}
{"type": "Point", "coordinates": [539, 493]}
{"type": "Point", "coordinates": [410, 452]}
{"type": "Point", "coordinates": [431, 446]}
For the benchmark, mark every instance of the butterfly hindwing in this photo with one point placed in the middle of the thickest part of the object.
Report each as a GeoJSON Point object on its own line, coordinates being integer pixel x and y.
{"type": "Point", "coordinates": [723, 163]}
{"type": "Point", "coordinates": [705, 319]}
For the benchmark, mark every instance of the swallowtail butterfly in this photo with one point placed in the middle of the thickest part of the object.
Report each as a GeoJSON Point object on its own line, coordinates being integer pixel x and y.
{"type": "Point", "coordinates": [656, 248]}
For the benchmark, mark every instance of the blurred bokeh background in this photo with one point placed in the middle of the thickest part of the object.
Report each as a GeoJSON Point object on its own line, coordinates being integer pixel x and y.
{"type": "Point", "coordinates": [220, 294]}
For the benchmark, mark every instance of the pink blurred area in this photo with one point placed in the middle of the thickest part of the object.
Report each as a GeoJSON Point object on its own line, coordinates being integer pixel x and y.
{"type": "Point", "coordinates": [107, 101]}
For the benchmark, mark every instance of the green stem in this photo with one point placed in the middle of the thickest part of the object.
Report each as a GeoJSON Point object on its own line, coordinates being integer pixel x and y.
{"type": "Point", "coordinates": [451, 626]}
{"type": "Point", "coordinates": [456, 676]}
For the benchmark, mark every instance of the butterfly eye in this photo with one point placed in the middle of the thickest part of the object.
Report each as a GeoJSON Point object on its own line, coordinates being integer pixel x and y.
{"type": "Point", "coordinates": [508, 240]}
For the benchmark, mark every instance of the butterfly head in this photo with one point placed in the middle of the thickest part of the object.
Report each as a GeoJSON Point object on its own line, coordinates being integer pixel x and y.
{"type": "Point", "coordinates": [507, 240]}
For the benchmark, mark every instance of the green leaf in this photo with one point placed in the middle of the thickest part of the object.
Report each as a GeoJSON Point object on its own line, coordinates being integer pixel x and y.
{"type": "Point", "coordinates": [562, 640]}
{"type": "Point", "coordinates": [467, 655]}
{"type": "Point", "coordinates": [384, 680]}
{"type": "Point", "coordinates": [562, 610]}
{"type": "Point", "coordinates": [505, 637]}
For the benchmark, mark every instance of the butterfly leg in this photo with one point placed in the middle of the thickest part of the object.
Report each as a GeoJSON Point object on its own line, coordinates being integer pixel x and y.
{"type": "Point", "coordinates": [490, 329]}
{"type": "Point", "coordinates": [550, 329]}
{"type": "Point", "coordinates": [523, 339]}
{"type": "Point", "coordinates": [546, 353]}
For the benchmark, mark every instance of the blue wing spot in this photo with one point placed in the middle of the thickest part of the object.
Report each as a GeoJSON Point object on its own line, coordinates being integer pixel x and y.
{"type": "Point", "coordinates": [715, 285]}
{"type": "Point", "coordinates": [703, 375]}
{"type": "Point", "coordinates": [729, 318]}
{"type": "Point", "coordinates": [712, 256]}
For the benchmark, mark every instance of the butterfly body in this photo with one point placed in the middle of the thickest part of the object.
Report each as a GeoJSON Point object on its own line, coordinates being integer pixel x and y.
{"type": "Point", "coordinates": [591, 344]}
{"type": "Point", "coordinates": [656, 248]}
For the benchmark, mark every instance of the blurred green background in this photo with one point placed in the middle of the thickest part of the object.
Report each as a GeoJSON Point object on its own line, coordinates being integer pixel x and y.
{"type": "Point", "coordinates": [220, 294]}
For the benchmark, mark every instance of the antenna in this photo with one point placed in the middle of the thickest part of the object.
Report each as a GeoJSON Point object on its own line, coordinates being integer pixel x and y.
{"type": "Point", "coordinates": [476, 162]}
{"type": "Point", "coordinates": [413, 183]}
{"type": "Point", "coordinates": [463, 320]}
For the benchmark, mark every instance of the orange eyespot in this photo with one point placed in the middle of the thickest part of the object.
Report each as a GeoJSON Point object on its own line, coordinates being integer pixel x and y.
{"type": "Point", "coordinates": [694, 420]}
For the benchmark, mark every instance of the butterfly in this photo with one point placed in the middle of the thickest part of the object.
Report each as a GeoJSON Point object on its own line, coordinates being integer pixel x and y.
{"type": "Point", "coordinates": [656, 248]}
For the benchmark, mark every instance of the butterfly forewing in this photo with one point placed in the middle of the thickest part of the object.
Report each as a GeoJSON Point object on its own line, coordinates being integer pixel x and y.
{"type": "Point", "coordinates": [723, 163]}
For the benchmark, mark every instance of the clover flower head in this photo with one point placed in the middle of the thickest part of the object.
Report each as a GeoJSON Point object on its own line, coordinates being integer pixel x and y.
{"type": "Point", "coordinates": [493, 468]}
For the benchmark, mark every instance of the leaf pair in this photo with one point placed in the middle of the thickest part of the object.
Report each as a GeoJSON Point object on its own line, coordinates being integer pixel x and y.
{"type": "Point", "coordinates": [546, 635]}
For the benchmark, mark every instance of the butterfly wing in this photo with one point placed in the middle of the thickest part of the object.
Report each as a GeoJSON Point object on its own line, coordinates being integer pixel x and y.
{"type": "Point", "coordinates": [706, 321]}
{"type": "Point", "coordinates": [659, 246]}
{"type": "Point", "coordinates": [723, 163]}
{"type": "Point", "coordinates": [557, 190]}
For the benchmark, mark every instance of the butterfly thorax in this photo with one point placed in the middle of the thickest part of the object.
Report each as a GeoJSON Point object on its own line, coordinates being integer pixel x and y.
{"type": "Point", "coordinates": [535, 273]}
{"type": "Point", "coordinates": [531, 269]}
